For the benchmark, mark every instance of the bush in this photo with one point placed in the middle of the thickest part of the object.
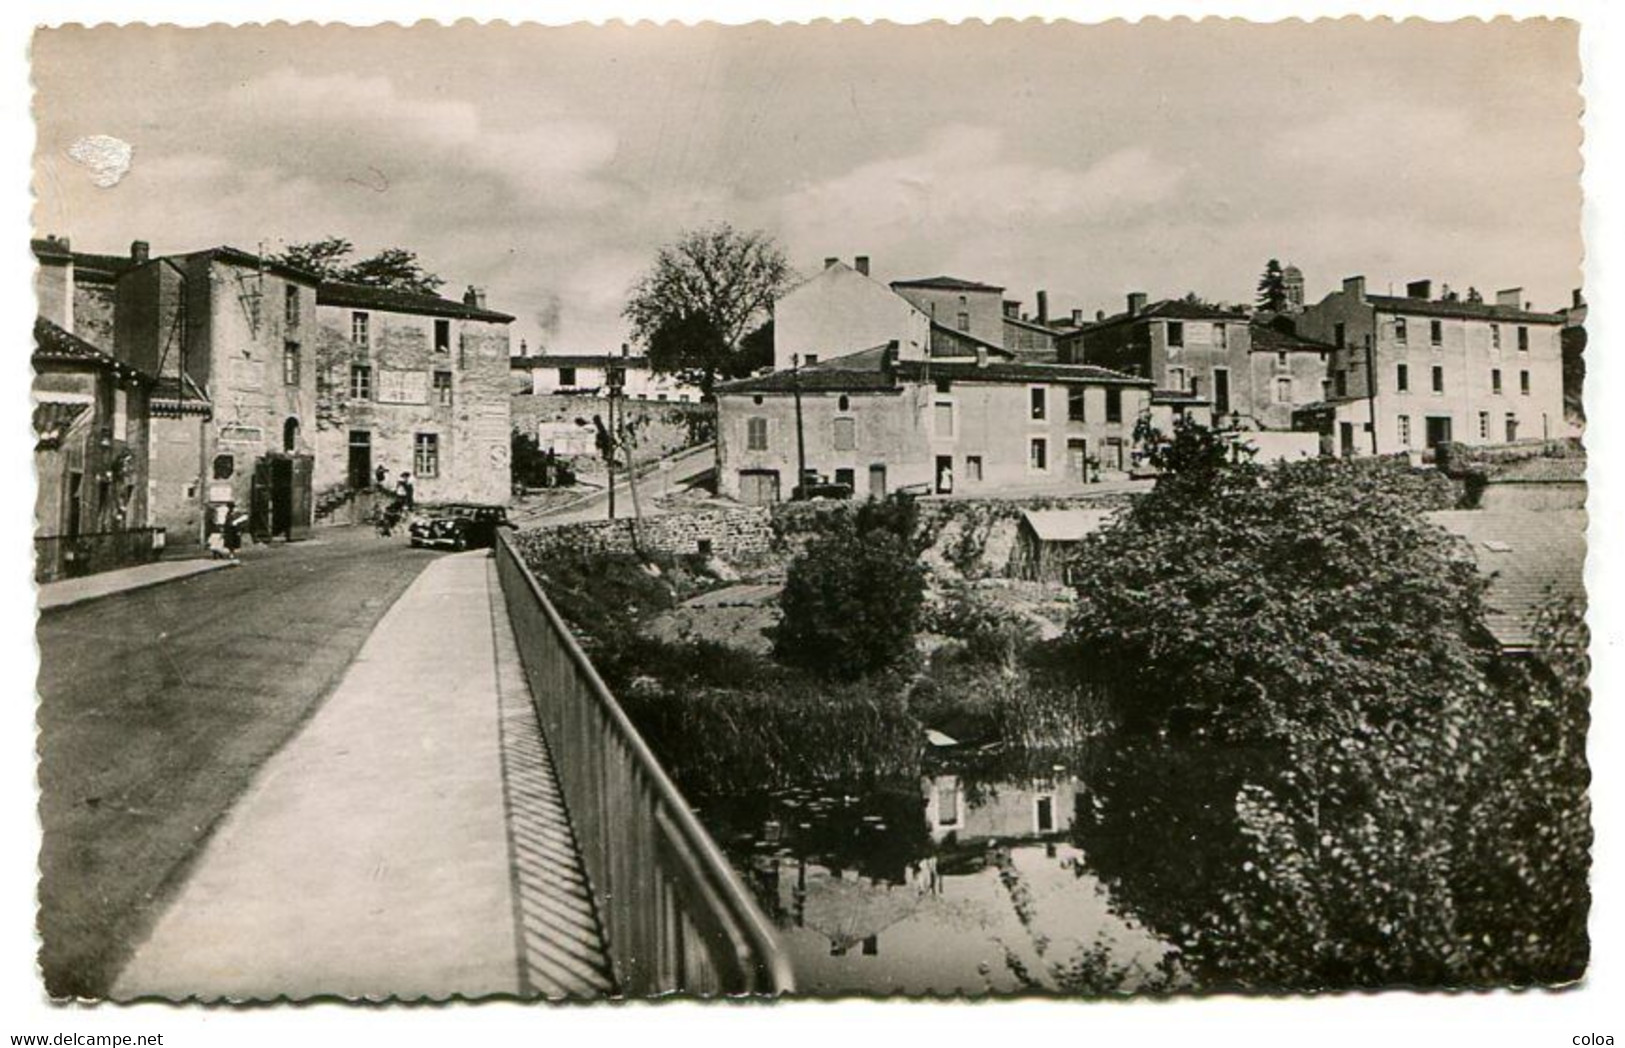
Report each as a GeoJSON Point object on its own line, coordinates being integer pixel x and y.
{"type": "Point", "coordinates": [850, 605]}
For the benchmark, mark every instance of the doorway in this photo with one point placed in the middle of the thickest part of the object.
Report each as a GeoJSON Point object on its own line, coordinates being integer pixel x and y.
{"type": "Point", "coordinates": [1438, 430]}
{"type": "Point", "coordinates": [360, 466]}
{"type": "Point", "coordinates": [758, 487]}
{"type": "Point", "coordinates": [280, 498]}
{"type": "Point", "coordinates": [1345, 438]}
{"type": "Point", "coordinates": [945, 474]}
{"type": "Point", "coordinates": [1221, 391]}
{"type": "Point", "coordinates": [877, 481]}
{"type": "Point", "coordinates": [1077, 460]}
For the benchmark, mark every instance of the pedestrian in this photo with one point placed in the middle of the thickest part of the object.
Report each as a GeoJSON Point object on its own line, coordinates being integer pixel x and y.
{"type": "Point", "coordinates": [380, 477]}
{"type": "Point", "coordinates": [403, 492]}
{"type": "Point", "coordinates": [234, 530]}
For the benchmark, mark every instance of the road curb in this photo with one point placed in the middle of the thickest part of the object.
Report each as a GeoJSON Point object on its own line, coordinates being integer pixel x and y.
{"type": "Point", "coordinates": [90, 598]}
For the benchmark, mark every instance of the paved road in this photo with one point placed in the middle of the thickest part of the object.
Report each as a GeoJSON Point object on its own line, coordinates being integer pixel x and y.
{"type": "Point", "coordinates": [684, 467]}
{"type": "Point", "coordinates": [157, 708]}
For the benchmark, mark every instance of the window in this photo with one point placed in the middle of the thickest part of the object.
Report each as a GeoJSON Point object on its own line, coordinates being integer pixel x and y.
{"type": "Point", "coordinates": [290, 306]}
{"type": "Point", "coordinates": [948, 803]}
{"type": "Point", "coordinates": [1483, 425]}
{"type": "Point", "coordinates": [1341, 382]}
{"type": "Point", "coordinates": [1523, 339]}
{"type": "Point", "coordinates": [1176, 378]}
{"type": "Point", "coordinates": [1340, 334]}
{"type": "Point", "coordinates": [848, 477]}
{"type": "Point", "coordinates": [224, 466]}
{"type": "Point", "coordinates": [360, 382]}
{"type": "Point", "coordinates": [1495, 380]}
{"type": "Point", "coordinates": [846, 434]}
{"type": "Point", "coordinates": [944, 418]}
{"type": "Point", "coordinates": [442, 388]}
{"type": "Point", "coordinates": [567, 378]}
{"type": "Point", "coordinates": [1405, 431]}
{"type": "Point", "coordinates": [1038, 454]}
{"type": "Point", "coordinates": [1495, 336]}
{"type": "Point", "coordinates": [963, 321]}
{"type": "Point", "coordinates": [1221, 336]}
{"type": "Point", "coordinates": [1401, 332]}
{"type": "Point", "coordinates": [442, 336]}
{"type": "Point", "coordinates": [1281, 362]}
{"type": "Point", "coordinates": [1074, 403]}
{"type": "Point", "coordinates": [360, 329]}
{"type": "Point", "coordinates": [1176, 333]}
{"type": "Point", "coordinates": [1039, 400]}
{"type": "Point", "coordinates": [1114, 404]}
{"type": "Point", "coordinates": [290, 363]}
{"type": "Point", "coordinates": [1438, 379]}
{"type": "Point", "coordinates": [1436, 332]}
{"type": "Point", "coordinates": [1283, 390]}
{"type": "Point", "coordinates": [1523, 383]}
{"type": "Point", "coordinates": [426, 454]}
{"type": "Point", "coordinates": [756, 434]}
{"type": "Point", "coordinates": [973, 468]}
{"type": "Point", "coordinates": [1512, 427]}
{"type": "Point", "coordinates": [809, 360]}
{"type": "Point", "coordinates": [945, 385]}
{"type": "Point", "coordinates": [121, 413]}
{"type": "Point", "coordinates": [1402, 378]}
{"type": "Point", "coordinates": [845, 402]}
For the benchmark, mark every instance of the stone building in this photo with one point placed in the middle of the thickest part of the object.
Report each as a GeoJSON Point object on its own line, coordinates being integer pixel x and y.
{"type": "Point", "coordinates": [1410, 373]}
{"type": "Point", "coordinates": [841, 310]}
{"type": "Point", "coordinates": [76, 290]}
{"type": "Point", "coordinates": [90, 452]}
{"type": "Point", "coordinates": [1286, 371]}
{"type": "Point", "coordinates": [588, 375]}
{"type": "Point", "coordinates": [228, 335]}
{"type": "Point", "coordinates": [1196, 355]}
{"type": "Point", "coordinates": [880, 422]}
{"type": "Point", "coordinates": [965, 306]}
{"type": "Point", "coordinates": [412, 383]}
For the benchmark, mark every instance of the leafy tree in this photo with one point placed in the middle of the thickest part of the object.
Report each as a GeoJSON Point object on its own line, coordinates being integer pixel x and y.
{"type": "Point", "coordinates": [1272, 287]}
{"type": "Point", "coordinates": [850, 605]}
{"type": "Point", "coordinates": [396, 268]}
{"type": "Point", "coordinates": [703, 294]}
{"type": "Point", "coordinates": [325, 258]}
{"type": "Point", "coordinates": [1408, 812]}
{"type": "Point", "coordinates": [329, 258]}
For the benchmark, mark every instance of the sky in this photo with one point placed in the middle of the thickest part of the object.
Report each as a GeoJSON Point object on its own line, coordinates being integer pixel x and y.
{"type": "Point", "coordinates": [549, 164]}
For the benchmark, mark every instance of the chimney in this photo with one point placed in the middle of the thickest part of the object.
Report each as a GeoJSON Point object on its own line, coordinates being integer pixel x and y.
{"type": "Point", "coordinates": [1511, 297]}
{"type": "Point", "coordinates": [474, 296]}
{"type": "Point", "coordinates": [1136, 303]}
{"type": "Point", "coordinates": [888, 358]}
{"type": "Point", "coordinates": [140, 250]}
{"type": "Point", "coordinates": [1012, 308]}
{"type": "Point", "coordinates": [1077, 318]}
{"type": "Point", "coordinates": [828, 262]}
{"type": "Point", "coordinates": [1422, 289]}
{"type": "Point", "coordinates": [1043, 306]}
{"type": "Point", "coordinates": [861, 264]}
{"type": "Point", "coordinates": [626, 350]}
{"type": "Point", "coordinates": [1579, 299]}
{"type": "Point", "coordinates": [981, 356]}
{"type": "Point", "coordinates": [1354, 287]}
{"type": "Point", "coordinates": [1100, 314]}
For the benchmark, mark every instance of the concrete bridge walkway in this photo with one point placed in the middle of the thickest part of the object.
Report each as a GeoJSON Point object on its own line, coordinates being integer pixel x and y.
{"type": "Point", "coordinates": [410, 842]}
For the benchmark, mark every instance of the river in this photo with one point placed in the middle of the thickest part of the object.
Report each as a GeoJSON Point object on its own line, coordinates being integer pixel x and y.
{"type": "Point", "coordinates": [971, 881]}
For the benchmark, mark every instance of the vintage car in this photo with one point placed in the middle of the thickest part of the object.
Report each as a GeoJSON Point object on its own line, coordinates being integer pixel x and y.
{"type": "Point", "coordinates": [458, 526]}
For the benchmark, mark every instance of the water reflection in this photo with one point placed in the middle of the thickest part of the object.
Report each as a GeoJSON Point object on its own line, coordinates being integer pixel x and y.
{"type": "Point", "coordinates": [969, 883]}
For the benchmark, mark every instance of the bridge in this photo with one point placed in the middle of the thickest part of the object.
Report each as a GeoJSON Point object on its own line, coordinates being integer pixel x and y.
{"type": "Point", "coordinates": [470, 813]}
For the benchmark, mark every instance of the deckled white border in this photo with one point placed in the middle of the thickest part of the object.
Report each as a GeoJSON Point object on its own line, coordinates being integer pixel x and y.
{"type": "Point", "coordinates": [1359, 1022]}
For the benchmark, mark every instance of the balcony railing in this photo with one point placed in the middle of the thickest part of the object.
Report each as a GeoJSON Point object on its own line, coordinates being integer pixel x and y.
{"type": "Point", "coordinates": [675, 916]}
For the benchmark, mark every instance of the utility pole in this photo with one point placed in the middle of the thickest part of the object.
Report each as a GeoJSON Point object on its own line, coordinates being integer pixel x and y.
{"type": "Point", "coordinates": [801, 436]}
{"type": "Point", "coordinates": [609, 444]}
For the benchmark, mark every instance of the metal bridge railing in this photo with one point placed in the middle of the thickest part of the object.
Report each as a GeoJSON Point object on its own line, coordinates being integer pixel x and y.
{"type": "Point", "coordinates": [675, 916]}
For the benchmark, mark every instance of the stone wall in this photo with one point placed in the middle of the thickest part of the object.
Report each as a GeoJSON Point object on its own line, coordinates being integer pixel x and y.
{"type": "Point", "coordinates": [727, 533]}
